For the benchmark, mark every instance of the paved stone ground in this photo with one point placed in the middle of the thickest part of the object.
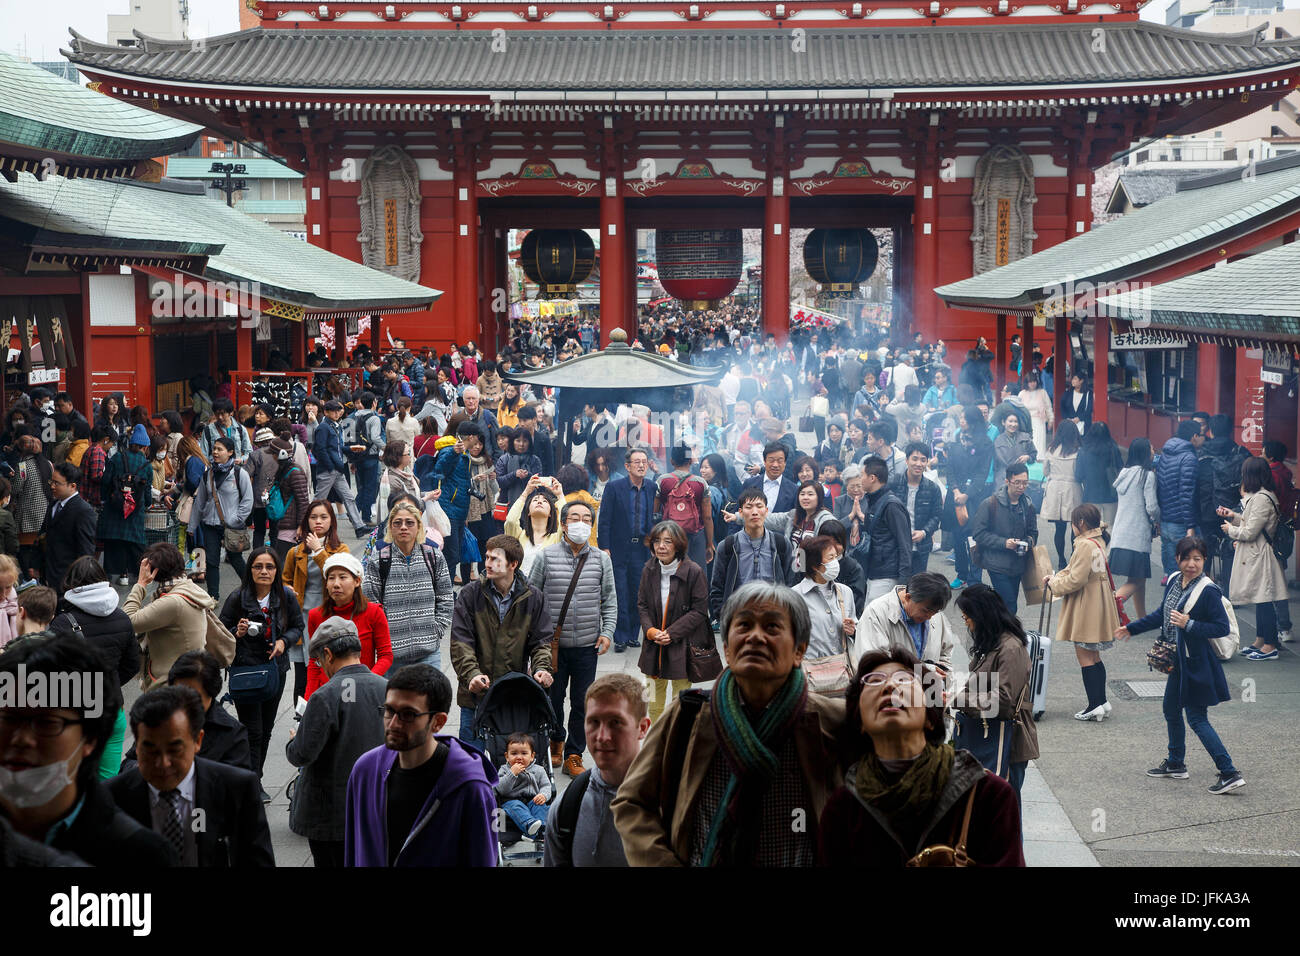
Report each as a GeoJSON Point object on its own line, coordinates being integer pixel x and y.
{"type": "Point", "coordinates": [1087, 800]}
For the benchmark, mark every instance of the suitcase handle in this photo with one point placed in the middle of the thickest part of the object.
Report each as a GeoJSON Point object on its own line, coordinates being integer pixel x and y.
{"type": "Point", "coordinates": [1045, 609]}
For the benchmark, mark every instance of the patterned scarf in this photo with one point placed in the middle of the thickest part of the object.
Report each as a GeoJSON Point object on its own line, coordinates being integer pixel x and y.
{"type": "Point", "coordinates": [752, 753]}
{"type": "Point", "coordinates": [909, 799]}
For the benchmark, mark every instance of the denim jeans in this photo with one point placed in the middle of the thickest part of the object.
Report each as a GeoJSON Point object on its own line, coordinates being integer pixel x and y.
{"type": "Point", "coordinates": [920, 560]}
{"type": "Point", "coordinates": [1169, 538]}
{"type": "Point", "coordinates": [696, 549]}
{"type": "Point", "coordinates": [211, 537]}
{"type": "Point", "coordinates": [522, 814]}
{"type": "Point", "coordinates": [467, 724]}
{"type": "Point", "coordinates": [327, 481]}
{"type": "Point", "coordinates": [259, 719]}
{"type": "Point", "coordinates": [419, 655]}
{"type": "Point", "coordinates": [367, 487]}
{"type": "Point", "coordinates": [1008, 588]}
{"type": "Point", "coordinates": [1200, 724]}
{"type": "Point", "coordinates": [1266, 624]}
{"type": "Point", "coordinates": [576, 669]}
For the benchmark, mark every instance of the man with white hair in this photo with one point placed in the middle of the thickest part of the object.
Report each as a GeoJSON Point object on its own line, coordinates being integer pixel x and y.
{"type": "Point", "coordinates": [479, 415]}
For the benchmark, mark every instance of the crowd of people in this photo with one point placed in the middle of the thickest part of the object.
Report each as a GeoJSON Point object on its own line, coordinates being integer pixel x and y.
{"type": "Point", "coordinates": [806, 586]}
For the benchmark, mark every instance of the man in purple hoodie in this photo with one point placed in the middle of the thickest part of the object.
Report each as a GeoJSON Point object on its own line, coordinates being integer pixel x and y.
{"type": "Point", "coordinates": [421, 799]}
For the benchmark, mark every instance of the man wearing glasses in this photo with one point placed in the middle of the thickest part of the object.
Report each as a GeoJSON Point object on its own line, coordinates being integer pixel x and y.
{"type": "Point", "coordinates": [422, 799]}
{"type": "Point", "coordinates": [50, 791]}
{"type": "Point", "coordinates": [1005, 528]}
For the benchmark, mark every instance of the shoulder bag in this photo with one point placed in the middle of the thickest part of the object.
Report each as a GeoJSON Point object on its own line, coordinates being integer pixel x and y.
{"type": "Point", "coordinates": [830, 676]}
{"type": "Point", "coordinates": [702, 663]}
{"type": "Point", "coordinates": [235, 540]}
{"type": "Point", "coordinates": [992, 749]}
{"type": "Point", "coordinates": [564, 609]}
{"type": "Point", "coordinates": [953, 854]}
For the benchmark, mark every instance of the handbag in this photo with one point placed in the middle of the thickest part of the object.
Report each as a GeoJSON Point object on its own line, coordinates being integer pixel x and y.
{"type": "Point", "coordinates": [830, 676]}
{"type": "Point", "coordinates": [469, 549]}
{"type": "Point", "coordinates": [564, 609]}
{"type": "Point", "coordinates": [184, 508]}
{"type": "Point", "coordinates": [254, 683]}
{"type": "Point", "coordinates": [806, 422]}
{"type": "Point", "coordinates": [1162, 655]}
{"type": "Point", "coordinates": [941, 854]}
{"type": "Point", "coordinates": [235, 540]}
{"type": "Point", "coordinates": [1124, 619]}
{"type": "Point", "coordinates": [991, 748]}
{"type": "Point", "coordinates": [500, 511]}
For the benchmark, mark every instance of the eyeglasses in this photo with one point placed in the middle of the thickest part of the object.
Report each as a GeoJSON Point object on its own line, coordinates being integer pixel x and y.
{"type": "Point", "coordinates": [879, 678]}
{"type": "Point", "coordinates": [1022, 483]}
{"type": "Point", "coordinates": [44, 725]}
{"type": "Point", "coordinates": [402, 716]}
{"type": "Point", "coordinates": [404, 523]}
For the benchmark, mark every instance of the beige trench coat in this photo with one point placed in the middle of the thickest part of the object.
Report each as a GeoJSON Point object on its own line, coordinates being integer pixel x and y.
{"type": "Point", "coordinates": [1088, 612]}
{"type": "Point", "coordinates": [1256, 575]}
{"type": "Point", "coordinates": [1061, 493]}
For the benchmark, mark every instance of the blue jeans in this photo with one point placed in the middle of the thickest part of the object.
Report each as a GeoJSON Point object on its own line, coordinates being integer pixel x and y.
{"type": "Point", "coordinates": [1266, 623]}
{"type": "Point", "coordinates": [1008, 588]}
{"type": "Point", "coordinates": [576, 668]}
{"type": "Point", "coordinates": [920, 561]}
{"type": "Point", "coordinates": [419, 655]}
{"type": "Point", "coordinates": [1198, 720]}
{"type": "Point", "coordinates": [629, 562]}
{"type": "Point", "coordinates": [1169, 538]}
{"type": "Point", "coordinates": [522, 814]}
{"type": "Point", "coordinates": [467, 724]}
{"type": "Point", "coordinates": [367, 487]}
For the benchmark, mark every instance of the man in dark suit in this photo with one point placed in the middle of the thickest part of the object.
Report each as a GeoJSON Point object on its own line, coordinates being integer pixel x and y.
{"type": "Point", "coordinates": [623, 530]}
{"type": "Point", "coordinates": [69, 525]}
{"type": "Point", "coordinates": [225, 739]}
{"type": "Point", "coordinates": [210, 814]}
{"type": "Point", "coordinates": [781, 493]}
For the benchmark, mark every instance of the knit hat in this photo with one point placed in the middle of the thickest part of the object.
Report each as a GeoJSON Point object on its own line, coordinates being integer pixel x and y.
{"type": "Point", "coordinates": [263, 435]}
{"type": "Point", "coordinates": [140, 436]}
{"type": "Point", "coordinates": [343, 560]}
{"type": "Point", "coordinates": [330, 630]}
{"type": "Point", "coordinates": [282, 448]}
{"type": "Point", "coordinates": [839, 421]}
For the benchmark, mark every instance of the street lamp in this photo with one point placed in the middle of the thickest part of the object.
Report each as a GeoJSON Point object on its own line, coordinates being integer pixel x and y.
{"type": "Point", "coordinates": [226, 184]}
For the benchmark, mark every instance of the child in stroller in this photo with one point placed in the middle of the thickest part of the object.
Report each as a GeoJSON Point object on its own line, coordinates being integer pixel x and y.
{"type": "Point", "coordinates": [523, 786]}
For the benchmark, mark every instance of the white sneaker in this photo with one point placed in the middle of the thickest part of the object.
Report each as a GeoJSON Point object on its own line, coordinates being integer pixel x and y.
{"type": "Point", "coordinates": [533, 829]}
{"type": "Point", "coordinates": [1098, 713]}
{"type": "Point", "coordinates": [1285, 637]}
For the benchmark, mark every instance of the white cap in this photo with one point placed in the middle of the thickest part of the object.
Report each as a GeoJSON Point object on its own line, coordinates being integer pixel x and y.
{"type": "Point", "coordinates": [343, 560]}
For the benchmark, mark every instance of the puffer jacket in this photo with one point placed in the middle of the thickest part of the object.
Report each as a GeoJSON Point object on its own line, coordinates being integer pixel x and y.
{"type": "Point", "coordinates": [593, 611]}
{"type": "Point", "coordinates": [1176, 484]}
{"type": "Point", "coordinates": [452, 471]}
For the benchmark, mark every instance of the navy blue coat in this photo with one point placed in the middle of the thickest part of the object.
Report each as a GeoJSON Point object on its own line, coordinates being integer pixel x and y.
{"type": "Point", "coordinates": [786, 498]}
{"type": "Point", "coordinates": [1199, 674]}
{"type": "Point", "coordinates": [614, 528]}
{"type": "Point", "coordinates": [1176, 484]}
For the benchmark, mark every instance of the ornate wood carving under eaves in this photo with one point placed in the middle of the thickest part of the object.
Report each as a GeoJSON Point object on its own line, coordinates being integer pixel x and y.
{"type": "Point", "coordinates": [1003, 201]}
{"type": "Point", "coordinates": [389, 204]}
{"type": "Point", "coordinates": [537, 177]}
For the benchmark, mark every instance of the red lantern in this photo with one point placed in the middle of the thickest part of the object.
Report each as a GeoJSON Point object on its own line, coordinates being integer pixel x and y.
{"type": "Point", "coordinates": [699, 266]}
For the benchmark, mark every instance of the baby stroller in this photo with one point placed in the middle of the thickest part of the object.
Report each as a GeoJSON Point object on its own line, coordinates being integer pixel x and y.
{"type": "Point", "coordinates": [514, 704]}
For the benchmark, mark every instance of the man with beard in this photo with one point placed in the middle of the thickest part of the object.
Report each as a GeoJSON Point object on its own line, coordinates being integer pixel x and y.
{"type": "Point", "coordinates": [422, 799]}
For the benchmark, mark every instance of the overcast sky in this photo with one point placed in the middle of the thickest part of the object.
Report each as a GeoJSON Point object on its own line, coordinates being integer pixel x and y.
{"type": "Point", "coordinates": [39, 29]}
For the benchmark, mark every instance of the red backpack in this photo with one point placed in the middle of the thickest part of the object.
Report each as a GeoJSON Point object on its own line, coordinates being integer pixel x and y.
{"type": "Point", "coordinates": [680, 503]}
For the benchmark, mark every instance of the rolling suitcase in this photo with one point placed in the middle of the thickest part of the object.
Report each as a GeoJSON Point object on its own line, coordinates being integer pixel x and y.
{"type": "Point", "coordinates": [1040, 660]}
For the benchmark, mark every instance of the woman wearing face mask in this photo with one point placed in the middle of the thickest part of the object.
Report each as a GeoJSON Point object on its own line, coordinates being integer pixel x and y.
{"type": "Point", "coordinates": [907, 792]}
{"type": "Point", "coordinates": [673, 601]}
{"type": "Point", "coordinates": [830, 607]}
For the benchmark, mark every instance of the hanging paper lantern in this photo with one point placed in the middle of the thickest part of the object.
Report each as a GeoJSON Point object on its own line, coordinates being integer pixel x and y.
{"type": "Point", "coordinates": [698, 266]}
{"type": "Point", "coordinates": [557, 259]}
{"type": "Point", "coordinates": [840, 259]}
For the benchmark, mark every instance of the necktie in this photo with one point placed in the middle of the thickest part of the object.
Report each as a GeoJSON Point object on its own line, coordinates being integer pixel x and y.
{"type": "Point", "coordinates": [171, 827]}
{"type": "Point", "coordinates": [753, 574]}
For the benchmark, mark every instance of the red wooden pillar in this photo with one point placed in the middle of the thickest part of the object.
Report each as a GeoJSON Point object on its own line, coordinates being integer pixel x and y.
{"type": "Point", "coordinates": [316, 181]}
{"type": "Point", "coordinates": [465, 248]}
{"type": "Point", "coordinates": [376, 333]}
{"type": "Point", "coordinates": [632, 313]}
{"type": "Point", "coordinates": [340, 339]}
{"type": "Point", "coordinates": [613, 253]}
{"type": "Point", "coordinates": [78, 320]}
{"type": "Point", "coordinates": [243, 346]}
{"type": "Point", "coordinates": [1207, 377]}
{"type": "Point", "coordinates": [1249, 417]}
{"type": "Point", "coordinates": [1100, 364]}
{"type": "Point", "coordinates": [1000, 361]}
{"type": "Point", "coordinates": [1061, 343]}
{"type": "Point", "coordinates": [298, 344]}
{"type": "Point", "coordinates": [776, 261]}
{"type": "Point", "coordinates": [925, 239]}
{"type": "Point", "coordinates": [1027, 340]}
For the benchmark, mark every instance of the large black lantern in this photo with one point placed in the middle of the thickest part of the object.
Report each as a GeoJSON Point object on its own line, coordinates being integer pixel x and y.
{"type": "Point", "coordinates": [557, 259]}
{"type": "Point", "coordinates": [840, 259]}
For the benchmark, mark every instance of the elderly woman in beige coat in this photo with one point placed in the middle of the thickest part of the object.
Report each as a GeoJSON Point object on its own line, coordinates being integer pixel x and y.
{"type": "Point", "coordinates": [1256, 574]}
{"type": "Point", "coordinates": [1089, 616]}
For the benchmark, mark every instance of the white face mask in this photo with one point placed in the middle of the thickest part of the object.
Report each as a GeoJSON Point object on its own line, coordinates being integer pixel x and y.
{"type": "Point", "coordinates": [35, 786]}
{"type": "Point", "coordinates": [832, 569]}
{"type": "Point", "coordinates": [161, 455]}
{"type": "Point", "coordinates": [579, 532]}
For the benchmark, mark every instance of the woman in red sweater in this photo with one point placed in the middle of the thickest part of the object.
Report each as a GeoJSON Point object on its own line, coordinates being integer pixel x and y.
{"type": "Point", "coordinates": [343, 597]}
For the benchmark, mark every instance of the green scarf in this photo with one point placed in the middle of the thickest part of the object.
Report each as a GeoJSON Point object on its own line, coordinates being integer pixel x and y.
{"type": "Point", "coordinates": [909, 800]}
{"type": "Point", "coordinates": [752, 754]}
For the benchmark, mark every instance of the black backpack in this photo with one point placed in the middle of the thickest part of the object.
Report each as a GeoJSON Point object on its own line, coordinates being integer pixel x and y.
{"type": "Point", "coordinates": [362, 439]}
{"type": "Point", "coordinates": [138, 489]}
